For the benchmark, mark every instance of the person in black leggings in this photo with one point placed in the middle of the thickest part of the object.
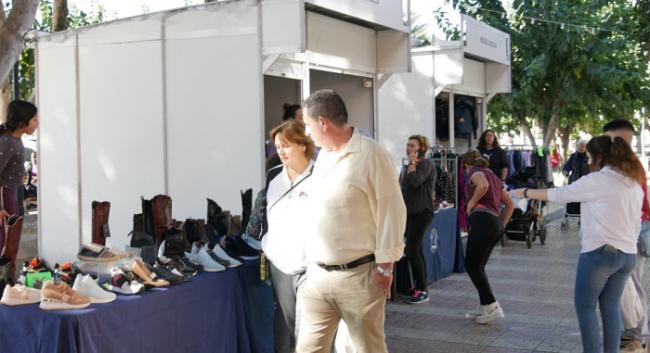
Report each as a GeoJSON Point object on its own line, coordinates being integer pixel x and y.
{"type": "Point", "coordinates": [485, 194]}
{"type": "Point", "coordinates": [417, 181]}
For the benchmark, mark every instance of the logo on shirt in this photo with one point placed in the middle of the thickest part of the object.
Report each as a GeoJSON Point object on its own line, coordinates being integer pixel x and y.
{"type": "Point", "coordinates": [302, 195]}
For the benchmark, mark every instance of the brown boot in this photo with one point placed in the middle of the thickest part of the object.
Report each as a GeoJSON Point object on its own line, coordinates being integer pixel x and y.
{"type": "Point", "coordinates": [101, 211]}
{"type": "Point", "coordinates": [12, 243]}
{"type": "Point", "coordinates": [162, 216]}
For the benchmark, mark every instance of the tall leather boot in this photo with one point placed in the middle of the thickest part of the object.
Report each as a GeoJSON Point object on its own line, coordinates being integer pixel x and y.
{"type": "Point", "coordinates": [246, 206]}
{"type": "Point", "coordinates": [216, 218]}
{"type": "Point", "coordinates": [162, 216]}
{"type": "Point", "coordinates": [101, 211]}
{"type": "Point", "coordinates": [12, 243]}
{"type": "Point", "coordinates": [147, 218]}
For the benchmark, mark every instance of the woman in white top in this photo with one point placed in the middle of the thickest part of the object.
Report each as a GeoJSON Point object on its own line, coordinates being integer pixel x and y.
{"type": "Point", "coordinates": [611, 197]}
{"type": "Point", "coordinates": [284, 243]}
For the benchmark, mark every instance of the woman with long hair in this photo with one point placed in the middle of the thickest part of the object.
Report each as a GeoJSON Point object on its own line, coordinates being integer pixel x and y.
{"type": "Point", "coordinates": [485, 194]}
{"type": "Point", "coordinates": [417, 181]}
{"type": "Point", "coordinates": [488, 146]}
{"type": "Point", "coordinates": [22, 118]}
{"type": "Point", "coordinates": [611, 197]}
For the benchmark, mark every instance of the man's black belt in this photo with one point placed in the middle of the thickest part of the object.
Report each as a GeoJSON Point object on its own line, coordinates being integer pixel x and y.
{"type": "Point", "coordinates": [353, 264]}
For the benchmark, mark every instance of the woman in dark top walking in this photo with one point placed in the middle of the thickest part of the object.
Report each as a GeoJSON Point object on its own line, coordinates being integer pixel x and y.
{"type": "Point", "coordinates": [577, 167]}
{"type": "Point", "coordinates": [488, 146]}
{"type": "Point", "coordinates": [22, 118]}
{"type": "Point", "coordinates": [417, 180]}
{"type": "Point", "coordinates": [485, 194]}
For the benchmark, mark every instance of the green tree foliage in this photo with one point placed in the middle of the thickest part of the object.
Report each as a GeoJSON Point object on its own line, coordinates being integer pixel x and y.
{"type": "Point", "coordinates": [43, 23]}
{"type": "Point", "coordinates": [572, 76]}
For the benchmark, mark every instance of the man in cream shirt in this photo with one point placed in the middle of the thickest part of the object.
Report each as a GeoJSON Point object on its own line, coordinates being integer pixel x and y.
{"type": "Point", "coordinates": [357, 226]}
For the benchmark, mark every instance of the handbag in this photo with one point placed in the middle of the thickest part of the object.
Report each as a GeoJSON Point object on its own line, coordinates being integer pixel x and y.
{"type": "Point", "coordinates": [631, 306]}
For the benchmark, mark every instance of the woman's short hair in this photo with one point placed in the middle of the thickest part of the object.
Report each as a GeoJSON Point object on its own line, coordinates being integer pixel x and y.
{"type": "Point", "coordinates": [293, 131]}
{"type": "Point", "coordinates": [423, 142]}
{"type": "Point", "coordinates": [475, 159]}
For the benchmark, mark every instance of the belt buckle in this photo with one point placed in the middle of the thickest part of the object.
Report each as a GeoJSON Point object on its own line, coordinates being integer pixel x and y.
{"type": "Point", "coordinates": [344, 266]}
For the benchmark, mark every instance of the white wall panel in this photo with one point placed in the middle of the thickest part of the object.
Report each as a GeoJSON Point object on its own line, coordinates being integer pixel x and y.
{"type": "Point", "coordinates": [473, 78]}
{"type": "Point", "coordinates": [283, 25]}
{"type": "Point", "coordinates": [340, 44]}
{"type": "Point", "coordinates": [121, 133]}
{"type": "Point", "coordinates": [388, 13]}
{"type": "Point", "coordinates": [215, 120]}
{"type": "Point", "coordinates": [406, 107]}
{"type": "Point", "coordinates": [57, 193]}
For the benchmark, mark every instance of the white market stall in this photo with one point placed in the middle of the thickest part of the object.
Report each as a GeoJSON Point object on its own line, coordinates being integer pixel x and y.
{"type": "Point", "coordinates": [444, 75]}
{"type": "Point", "coordinates": [179, 102]}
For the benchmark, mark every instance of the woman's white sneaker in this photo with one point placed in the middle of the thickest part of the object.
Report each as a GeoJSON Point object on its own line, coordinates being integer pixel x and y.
{"type": "Point", "coordinates": [492, 312]}
{"type": "Point", "coordinates": [20, 295]}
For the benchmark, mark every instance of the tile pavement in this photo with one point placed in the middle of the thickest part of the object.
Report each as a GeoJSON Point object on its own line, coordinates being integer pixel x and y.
{"type": "Point", "coordinates": [534, 287]}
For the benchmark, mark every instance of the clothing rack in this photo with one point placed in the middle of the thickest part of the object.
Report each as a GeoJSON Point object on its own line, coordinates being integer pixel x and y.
{"type": "Point", "coordinates": [449, 165]}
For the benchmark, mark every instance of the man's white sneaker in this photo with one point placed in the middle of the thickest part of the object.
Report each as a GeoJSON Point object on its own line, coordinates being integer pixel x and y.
{"type": "Point", "coordinates": [87, 286]}
{"type": "Point", "coordinates": [492, 312]}
{"type": "Point", "coordinates": [20, 295]}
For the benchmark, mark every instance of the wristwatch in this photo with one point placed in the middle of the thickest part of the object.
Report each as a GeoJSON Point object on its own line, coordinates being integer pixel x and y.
{"type": "Point", "coordinates": [384, 272]}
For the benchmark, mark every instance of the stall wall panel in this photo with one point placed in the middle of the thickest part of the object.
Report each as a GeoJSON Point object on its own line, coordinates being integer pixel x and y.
{"type": "Point", "coordinates": [389, 13]}
{"type": "Point", "coordinates": [283, 25]}
{"type": "Point", "coordinates": [358, 99]}
{"type": "Point", "coordinates": [497, 78]}
{"type": "Point", "coordinates": [326, 45]}
{"type": "Point", "coordinates": [57, 134]}
{"type": "Point", "coordinates": [121, 131]}
{"type": "Point", "coordinates": [215, 118]}
{"type": "Point", "coordinates": [406, 104]}
{"type": "Point", "coordinates": [473, 78]}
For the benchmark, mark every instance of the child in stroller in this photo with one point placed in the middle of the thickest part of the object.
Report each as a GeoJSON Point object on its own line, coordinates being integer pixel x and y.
{"type": "Point", "coordinates": [526, 225]}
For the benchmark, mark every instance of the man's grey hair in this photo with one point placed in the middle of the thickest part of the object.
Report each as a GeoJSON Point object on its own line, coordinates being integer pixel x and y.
{"type": "Point", "coordinates": [581, 142]}
{"type": "Point", "coordinates": [328, 104]}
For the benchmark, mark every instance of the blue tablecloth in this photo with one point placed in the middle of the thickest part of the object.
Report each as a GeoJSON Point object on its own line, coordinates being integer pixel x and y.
{"type": "Point", "coordinates": [448, 257]}
{"type": "Point", "coordinates": [261, 307]}
{"type": "Point", "coordinates": [204, 315]}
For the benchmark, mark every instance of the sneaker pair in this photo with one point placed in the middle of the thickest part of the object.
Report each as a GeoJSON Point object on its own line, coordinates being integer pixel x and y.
{"type": "Point", "coordinates": [57, 295]}
{"type": "Point", "coordinates": [200, 256]}
{"type": "Point", "coordinates": [486, 313]}
{"type": "Point", "coordinates": [86, 285]}
{"type": "Point", "coordinates": [20, 295]}
{"type": "Point", "coordinates": [418, 297]}
{"type": "Point", "coordinates": [123, 283]}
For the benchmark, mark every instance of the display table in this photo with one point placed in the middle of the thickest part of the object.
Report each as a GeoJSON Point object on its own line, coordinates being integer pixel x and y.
{"type": "Point", "coordinates": [260, 302]}
{"type": "Point", "coordinates": [204, 315]}
{"type": "Point", "coordinates": [448, 257]}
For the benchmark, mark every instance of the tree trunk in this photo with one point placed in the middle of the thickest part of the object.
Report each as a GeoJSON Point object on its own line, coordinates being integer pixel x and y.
{"type": "Point", "coordinates": [565, 137]}
{"type": "Point", "coordinates": [59, 15]}
{"type": "Point", "coordinates": [526, 127]}
{"type": "Point", "coordinates": [5, 94]}
{"type": "Point", "coordinates": [551, 128]}
{"type": "Point", "coordinates": [18, 23]}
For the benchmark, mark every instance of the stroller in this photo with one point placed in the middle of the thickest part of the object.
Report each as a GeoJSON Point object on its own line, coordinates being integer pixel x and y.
{"type": "Point", "coordinates": [572, 210]}
{"type": "Point", "coordinates": [529, 224]}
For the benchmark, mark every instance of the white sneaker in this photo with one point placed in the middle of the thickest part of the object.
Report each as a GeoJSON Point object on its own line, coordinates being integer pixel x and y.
{"type": "Point", "coordinates": [221, 253]}
{"type": "Point", "coordinates": [20, 295]}
{"type": "Point", "coordinates": [87, 286]}
{"type": "Point", "coordinates": [200, 256]}
{"type": "Point", "coordinates": [473, 314]}
{"type": "Point", "coordinates": [492, 312]}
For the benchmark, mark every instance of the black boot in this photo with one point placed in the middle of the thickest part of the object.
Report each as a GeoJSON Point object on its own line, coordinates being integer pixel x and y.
{"type": "Point", "coordinates": [246, 206]}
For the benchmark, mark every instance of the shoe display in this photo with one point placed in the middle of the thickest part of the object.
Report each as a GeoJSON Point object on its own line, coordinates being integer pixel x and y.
{"type": "Point", "coordinates": [20, 295]}
{"type": "Point", "coordinates": [173, 276]}
{"type": "Point", "coordinates": [123, 283]}
{"type": "Point", "coordinates": [148, 278]}
{"type": "Point", "coordinates": [490, 313]}
{"type": "Point", "coordinates": [201, 257]}
{"type": "Point", "coordinates": [218, 251]}
{"type": "Point", "coordinates": [177, 266]}
{"type": "Point", "coordinates": [418, 297]}
{"type": "Point", "coordinates": [86, 285]}
{"type": "Point", "coordinates": [96, 253]}
{"type": "Point", "coordinates": [57, 295]}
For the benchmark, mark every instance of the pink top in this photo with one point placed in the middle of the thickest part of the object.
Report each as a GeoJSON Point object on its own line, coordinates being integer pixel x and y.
{"type": "Point", "coordinates": [491, 201]}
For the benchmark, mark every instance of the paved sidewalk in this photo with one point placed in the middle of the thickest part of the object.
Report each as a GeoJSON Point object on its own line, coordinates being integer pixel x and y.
{"type": "Point", "coordinates": [534, 287]}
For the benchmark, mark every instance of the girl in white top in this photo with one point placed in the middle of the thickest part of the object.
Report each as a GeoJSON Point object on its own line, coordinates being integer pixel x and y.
{"type": "Point", "coordinates": [284, 243]}
{"type": "Point", "coordinates": [611, 198]}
